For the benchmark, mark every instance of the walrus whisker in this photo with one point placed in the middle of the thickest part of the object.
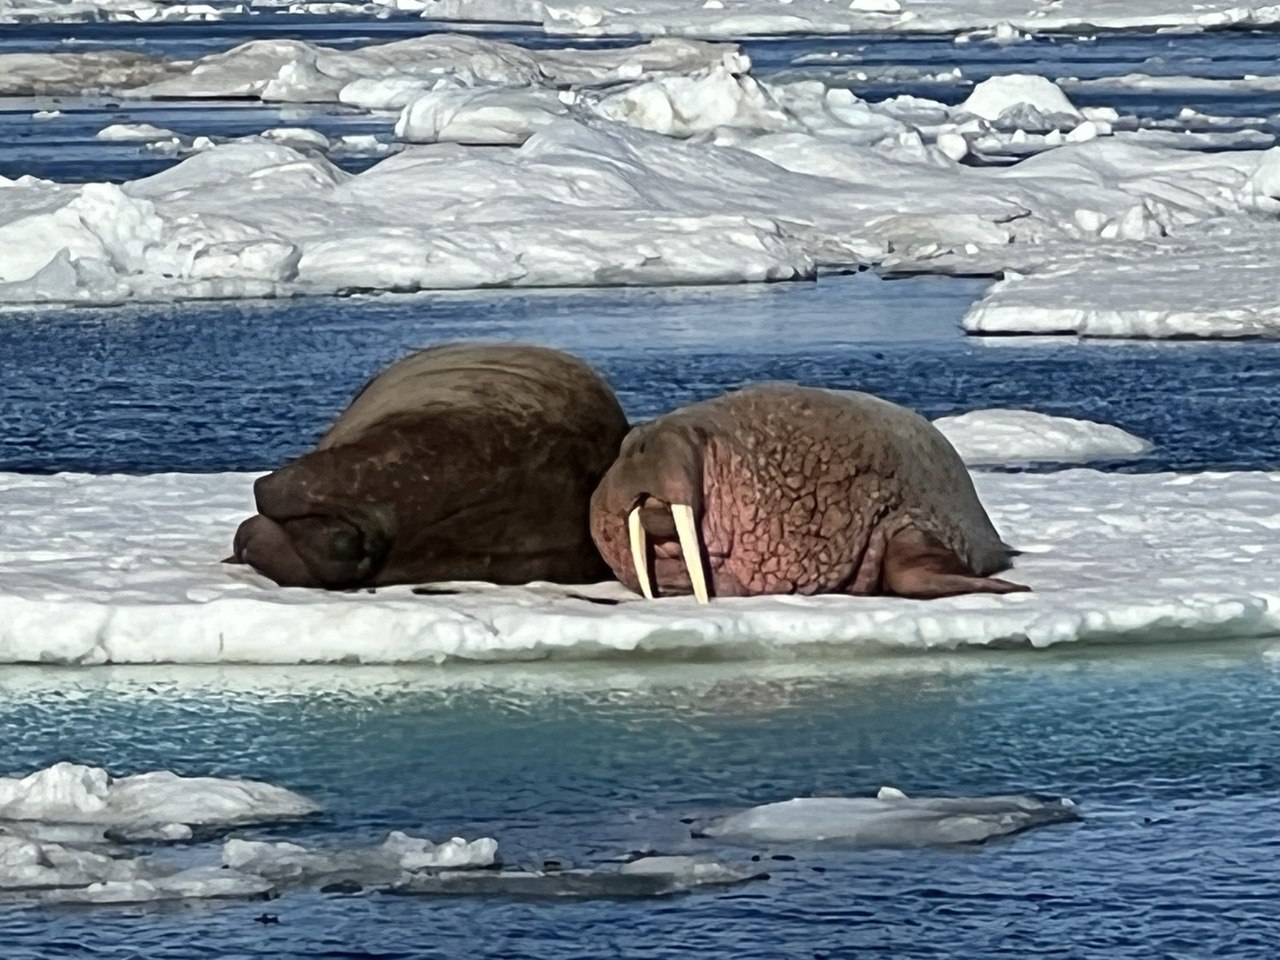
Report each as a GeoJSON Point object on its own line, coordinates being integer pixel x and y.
{"type": "Point", "coordinates": [640, 552]}
{"type": "Point", "coordinates": [691, 549]}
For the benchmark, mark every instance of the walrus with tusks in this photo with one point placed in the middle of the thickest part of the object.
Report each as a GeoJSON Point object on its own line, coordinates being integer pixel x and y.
{"type": "Point", "coordinates": [794, 490]}
{"type": "Point", "coordinates": [459, 462]}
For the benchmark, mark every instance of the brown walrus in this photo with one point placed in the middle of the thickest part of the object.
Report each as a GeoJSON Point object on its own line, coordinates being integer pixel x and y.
{"type": "Point", "coordinates": [461, 462]}
{"type": "Point", "coordinates": [785, 489]}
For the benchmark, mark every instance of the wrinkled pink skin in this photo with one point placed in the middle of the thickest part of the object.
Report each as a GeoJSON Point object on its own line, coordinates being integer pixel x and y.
{"type": "Point", "coordinates": [801, 491]}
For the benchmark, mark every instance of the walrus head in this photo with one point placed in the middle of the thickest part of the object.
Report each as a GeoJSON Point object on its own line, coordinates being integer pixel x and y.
{"type": "Point", "coordinates": [656, 483]}
{"type": "Point", "coordinates": [338, 549]}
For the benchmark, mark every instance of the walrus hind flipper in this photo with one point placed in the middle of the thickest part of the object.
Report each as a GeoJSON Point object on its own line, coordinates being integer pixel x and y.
{"type": "Point", "coordinates": [918, 567]}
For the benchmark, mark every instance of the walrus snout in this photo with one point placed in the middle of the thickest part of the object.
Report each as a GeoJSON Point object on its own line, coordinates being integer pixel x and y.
{"type": "Point", "coordinates": [306, 550]}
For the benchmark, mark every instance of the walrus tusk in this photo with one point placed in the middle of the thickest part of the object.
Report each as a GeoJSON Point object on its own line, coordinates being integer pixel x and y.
{"type": "Point", "coordinates": [691, 547]}
{"type": "Point", "coordinates": [640, 552]}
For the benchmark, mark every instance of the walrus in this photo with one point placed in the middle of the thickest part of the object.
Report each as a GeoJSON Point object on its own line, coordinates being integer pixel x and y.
{"type": "Point", "coordinates": [459, 462]}
{"type": "Point", "coordinates": [781, 489]}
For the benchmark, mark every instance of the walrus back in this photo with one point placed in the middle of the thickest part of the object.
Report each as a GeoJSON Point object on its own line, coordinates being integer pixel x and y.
{"type": "Point", "coordinates": [932, 478]}
{"type": "Point", "coordinates": [517, 383]}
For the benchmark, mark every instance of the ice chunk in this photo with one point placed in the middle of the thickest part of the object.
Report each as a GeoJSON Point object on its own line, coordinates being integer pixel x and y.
{"type": "Point", "coordinates": [80, 794]}
{"type": "Point", "coordinates": [890, 819]}
{"type": "Point", "coordinates": [136, 133]}
{"type": "Point", "coordinates": [1016, 436]}
{"type": "Point", "coordinates": [647, 877]}
{"type": "Point", "coordinates": [398, 854]}
{"type": "Point", "coordinates": [1212, 281]}
{"type": "Point", "coordinates": [1012, 99]}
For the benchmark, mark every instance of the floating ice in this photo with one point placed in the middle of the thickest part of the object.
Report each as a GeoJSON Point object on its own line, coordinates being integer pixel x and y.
{"type": "Point", "coordinates": [647, 877]}
{"type": "Point", "coordinates": [398, 854]}
{"type": "Point", "coordinates": [125, 570]}
{"type": "Point", "coordinates": [1213, 281]}
{"type": "Point", "coordinates": [379, 75]}
{"type": "Point", "coordinates": [890, 819]}
{"type": "Point", "coordinates": [1009, 99]}
{"type": "Point", "coordinates": [1013, 436]}
{"type": "Point", "coordinates": [746, 17]}
{"type": "Point", "coordinates": [74, 793]}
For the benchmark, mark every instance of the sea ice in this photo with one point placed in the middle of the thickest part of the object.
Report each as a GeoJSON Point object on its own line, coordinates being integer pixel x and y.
{"type": "Point", "coordinates": [655, 876]}
{"type": "Point", "coordinates": [398, 854]}
{"type": "Point", "coordinates": [746, 17]}
{"type": "Point", "coordinates": [1024, 436]}
{"type": "Point", "coordinates": [890, 819]}
{"type": "Point", "coordinates": [1215, 280]}
{"type": "Point", "coordinates": [118, 569]}
{"type": "Point", "coordinates": [73, 793]}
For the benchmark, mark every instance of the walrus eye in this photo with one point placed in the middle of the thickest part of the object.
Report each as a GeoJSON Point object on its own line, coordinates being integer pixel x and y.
{"type": "Point", "coordinates": [346, 545]}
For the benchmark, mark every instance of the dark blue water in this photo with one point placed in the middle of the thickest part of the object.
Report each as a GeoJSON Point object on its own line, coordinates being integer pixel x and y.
{"type": "Point", "coordinates": [243, 386]}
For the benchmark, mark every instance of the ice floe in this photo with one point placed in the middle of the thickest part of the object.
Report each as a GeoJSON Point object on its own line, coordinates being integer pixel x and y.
{"type": "Point", "coordinates": [706, 18]}
{"type": "Point", "coordinates": [74, 793]}
{"type": "Point", "coordinates": [1214, 281]}
{"type": "Point", "coordinates": [120, 569]}
{"type": "Point", "coordinates": [889, 819]}
{"type": "Point", "coordinates": [664, 163]}
{"type": "Point", "coordinates": [385, 75]}
{"type": "Point", "coordinates": [655, 876]}
{"type": "Point", "coordinates": [1024, 436]}
{"type": "Point", "coordinates": [591, 202]}
{"type": "Point", "coordinates": [49, 853]}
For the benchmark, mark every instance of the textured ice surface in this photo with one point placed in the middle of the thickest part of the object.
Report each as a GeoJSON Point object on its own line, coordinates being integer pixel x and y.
{"type": "Point", "coordinates": [745, 17]}
{"type": "Point", "coordinates": [596, 203]}
{"type": "Point", "coordinates": [73, 793]}
{"type": "Point", "coordinates": [1024, 436]}
{"type": "Point", "coordinates": [890, 819]}
{"type": "Point", "coordinates": [654, 876]}
{"type": "Point", "coordinates": [660, 164]}
{"type": "Point", "coordinates": [1217, 280]}
{"type": "Point", "coordinates": [381, 864]}
{"type": "Point", "coordinates": [125, 570]}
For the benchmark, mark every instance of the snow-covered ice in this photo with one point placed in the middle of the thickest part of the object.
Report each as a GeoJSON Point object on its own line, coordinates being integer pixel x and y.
{"type": "Point", "coordinates": [705, 18]}
{"type": "Point", "coordinates": [126, 570]}
{"type": "Point", "coordinates": [889, 819]}
{"type": "Point", "coordinates": [1215, 281]}
{"type": "Point", "coordinates": [664, 163]}
{"type": "Point", "coordinates": [1024, 436]}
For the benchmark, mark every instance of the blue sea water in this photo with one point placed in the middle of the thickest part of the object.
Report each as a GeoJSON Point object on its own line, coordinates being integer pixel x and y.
{"type": "Point", "coordinates": [1171, 750]}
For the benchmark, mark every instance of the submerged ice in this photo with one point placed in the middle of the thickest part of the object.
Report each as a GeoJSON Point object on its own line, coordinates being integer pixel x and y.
{"type": "Point", "coordinates": [889, 819]}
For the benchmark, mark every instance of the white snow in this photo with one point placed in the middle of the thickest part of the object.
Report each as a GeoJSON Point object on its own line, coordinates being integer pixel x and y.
{"type": "Point", "coordinates": [1024, 436]}
{"type": "Point", "coordinates": [747, 17]}
{"type": "Point", "coordinates": [590, 202]}
{"type": "Point", "coordinates": [996, 98]}
{"type": "Point", "coordinates": [665, 163]}
{"type": "Point", "coordinates": [398, 854]}
{"type": "Point", "coordinates": [890, 819]}
{"type": "Point", "coordinates": [74, 793]}
{"type": "Point", "coordinates": [1215, 281]}
{"type": "Point", "coordinates": [125, 570]}
{"type": "Point", "coordinates": [136, 133]}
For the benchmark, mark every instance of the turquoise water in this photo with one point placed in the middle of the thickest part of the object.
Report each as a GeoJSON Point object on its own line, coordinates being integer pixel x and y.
{"type": "Point", "coordinates": [1170, 753]}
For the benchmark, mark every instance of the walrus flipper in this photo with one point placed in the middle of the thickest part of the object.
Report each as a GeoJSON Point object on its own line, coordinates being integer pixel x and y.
{"type": "Point", "coordinates": [919, 567]}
